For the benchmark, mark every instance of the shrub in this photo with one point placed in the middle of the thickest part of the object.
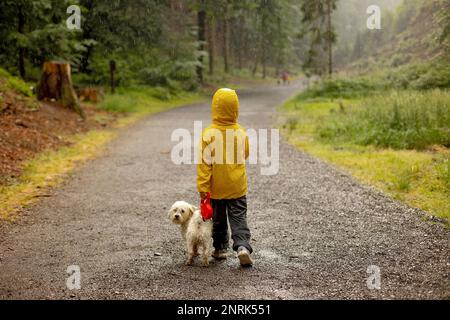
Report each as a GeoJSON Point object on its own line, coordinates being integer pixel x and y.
{"type": "Point", "coordinates": [399, 120]}
{"type": "Point", "coordinates": [423, 76]}
{"type": "Point", "coordinates": [342, 88]}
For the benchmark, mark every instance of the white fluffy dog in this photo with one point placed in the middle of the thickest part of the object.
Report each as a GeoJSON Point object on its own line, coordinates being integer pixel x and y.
{"type": "Point", "coordinates": [195, 231]}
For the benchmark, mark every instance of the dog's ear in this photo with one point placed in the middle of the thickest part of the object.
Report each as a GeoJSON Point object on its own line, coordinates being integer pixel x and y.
{"type": "Point", "coordinates": [191, 210]}
{"type": "Point", "coordinates": [169, 213]}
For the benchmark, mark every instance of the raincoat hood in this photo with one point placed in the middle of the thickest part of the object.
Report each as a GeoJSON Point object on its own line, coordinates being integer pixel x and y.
{"type": "Point", "coordinates": [225, 107]}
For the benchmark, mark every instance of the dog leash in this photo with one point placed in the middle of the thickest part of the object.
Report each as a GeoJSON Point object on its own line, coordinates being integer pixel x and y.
{"type": "Point", "coordinates": [206, 209]}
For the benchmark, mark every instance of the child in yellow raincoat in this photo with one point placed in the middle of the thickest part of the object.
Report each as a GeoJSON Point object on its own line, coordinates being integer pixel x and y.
{"type": "Point", "coordinates": [221, 171]}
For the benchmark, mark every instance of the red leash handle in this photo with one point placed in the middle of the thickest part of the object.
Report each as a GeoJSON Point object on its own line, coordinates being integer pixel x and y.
{"type": "Point", "coordinates": [206, 208]}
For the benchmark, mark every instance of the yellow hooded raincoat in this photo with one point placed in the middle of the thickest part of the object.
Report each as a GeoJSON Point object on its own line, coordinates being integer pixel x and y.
{"type": "Point", "coordinates": [223, 150]}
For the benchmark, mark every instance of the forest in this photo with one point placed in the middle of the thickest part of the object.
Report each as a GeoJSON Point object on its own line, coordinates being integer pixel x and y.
{"type": "Point", "coordinates": [177, 42]}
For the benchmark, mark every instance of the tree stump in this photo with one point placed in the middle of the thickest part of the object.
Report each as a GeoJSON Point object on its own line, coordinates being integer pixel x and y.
{"type": "Point", "coordinates": [56, 83]}
{"type": "Point", "coordinates": [91, 94]}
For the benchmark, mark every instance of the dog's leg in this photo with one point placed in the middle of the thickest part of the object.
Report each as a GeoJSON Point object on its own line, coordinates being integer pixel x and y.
{"type": "Point", "coordinates": [190, 257]}
{"type": "Point", "coordinates": [205, 260]}
{"type": "Point", "coordinates": [195, 250]}
{"type": "Point", "coordinates": [206, 253]}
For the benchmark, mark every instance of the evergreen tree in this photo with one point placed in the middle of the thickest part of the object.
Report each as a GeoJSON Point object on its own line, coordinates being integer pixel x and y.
{"type": "Point", "coordinates": [317, 16]}
{"type": "Point", "coordinates": [35, 31]}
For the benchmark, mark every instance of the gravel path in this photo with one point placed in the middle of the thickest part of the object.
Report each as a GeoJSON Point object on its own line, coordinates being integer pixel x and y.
{"type": "Point", "coordinates": [315, 229]}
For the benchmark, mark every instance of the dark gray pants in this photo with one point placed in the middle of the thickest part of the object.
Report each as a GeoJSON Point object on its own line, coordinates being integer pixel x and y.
{"type": "Point", "coordinates": [233, 211]}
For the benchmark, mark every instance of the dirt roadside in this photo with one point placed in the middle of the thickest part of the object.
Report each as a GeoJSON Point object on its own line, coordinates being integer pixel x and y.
{"type": "Point", "coordinates": [28, 127]}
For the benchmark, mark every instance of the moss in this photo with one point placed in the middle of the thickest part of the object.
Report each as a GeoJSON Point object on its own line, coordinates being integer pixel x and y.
{"type": "Point", "coordinates": [15, 83]}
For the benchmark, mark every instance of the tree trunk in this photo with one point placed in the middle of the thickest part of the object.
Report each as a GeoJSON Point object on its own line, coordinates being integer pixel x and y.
{"type": "Point", "coordinates": [280, 57]}
{"type": "Point", "coordinates": [225, 40]}
{"type": "Point", "coordinates": [264, 64]}
{"type": "Point", "coordinates": [330, 41]}
{"type": "Point", "coordinates": [85, 60]}
{"type": "Point", "coordinates": [240, 46]}
{"type": "Point", "coordinates": [112, 71]}
{"type": "Point", "coordinates": [263, 45]}
{"type": "Point", "coordinates": [56, 83]}
{"type": "Point", "coordinates": [211, 26]}
{"type": "Point", "coordinates": [255, 67]}
{"type": "Point", "coordinates": [201, 21]}
{"type": "Point", "coordinates": [245, 49]}
{"type": "Point", "coordinates": [20, 29]}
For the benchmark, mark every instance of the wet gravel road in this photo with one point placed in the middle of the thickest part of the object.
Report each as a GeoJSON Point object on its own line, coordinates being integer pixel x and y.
{"type": "Point", "coordinates": [315, 229]}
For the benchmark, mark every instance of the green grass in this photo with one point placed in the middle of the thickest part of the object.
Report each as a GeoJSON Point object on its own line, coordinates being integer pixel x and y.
{"type": "Point", "coordinates": [343, 88]}
{"type": "Point", "coordinates": [147, 99]}
{"type": "Point", "coordinates": [398, 120]}
{"type": "Point", "coordinates": [394, 141]}
{"type": "Point", "coordinates": [419, 76]}
{"type": "Point", "coordinates": [14, 83]}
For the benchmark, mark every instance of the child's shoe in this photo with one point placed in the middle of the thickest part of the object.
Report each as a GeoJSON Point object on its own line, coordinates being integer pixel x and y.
{"type": "Point", "coordinates": [244, 257]}
{"type": "Point", "coordinates": [220, 254]}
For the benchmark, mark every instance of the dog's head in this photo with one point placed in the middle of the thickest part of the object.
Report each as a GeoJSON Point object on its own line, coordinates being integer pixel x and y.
{"type": "Point", "coordinates": [181, 212]}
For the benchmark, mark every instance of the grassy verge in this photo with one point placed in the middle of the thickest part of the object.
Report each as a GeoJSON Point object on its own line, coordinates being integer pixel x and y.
{"type": "Point", "coordinates": [138, 102]}
{"type": "Point", "coordinates": [397, 141]}
{"type": "Point", "coordinates": [49, 168]}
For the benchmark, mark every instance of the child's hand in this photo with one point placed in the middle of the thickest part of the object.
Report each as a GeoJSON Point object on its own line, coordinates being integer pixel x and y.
{"type": "Point", "coordinates": [203, 195]}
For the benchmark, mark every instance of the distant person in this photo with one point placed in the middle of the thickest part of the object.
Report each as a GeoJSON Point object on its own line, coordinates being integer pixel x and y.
{"type": "Point", "coordinates": [285, 77]}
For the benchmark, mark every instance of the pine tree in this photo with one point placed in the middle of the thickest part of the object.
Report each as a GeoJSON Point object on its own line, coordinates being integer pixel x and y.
{"type": "Point", "coordinates": [33, 32]}
{"type": "Point", "coordinates": [317, 17]}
